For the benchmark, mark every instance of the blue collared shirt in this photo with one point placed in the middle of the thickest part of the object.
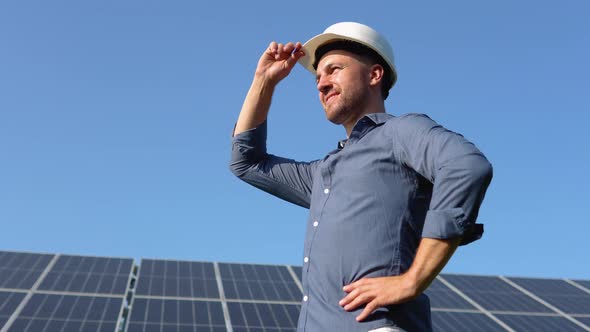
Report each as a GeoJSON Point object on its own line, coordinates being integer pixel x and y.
{"type": "Point", "coordinates": [393, 182]}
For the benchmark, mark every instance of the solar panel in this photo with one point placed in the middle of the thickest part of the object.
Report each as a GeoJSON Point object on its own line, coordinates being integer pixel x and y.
{"type": "Point", "coordinates": [82, 274]}
{"type": "Point", "coordinates": [258, 282]}
{"type": "Point", "coordinates": [492, 293]}
{"type": "Point", "coordinates": [583, 283]}
{"type": "Point", "coordinates": [442, 296]}
{"type": "Point", "coordinates": [177, 279]}
{"type": "Point", "coordinates": [8, 303]}
{"type": "Point", "coordinates": [539, 323]}
{"type": "Point", "coordinates": [21, 270]}
{"type": "Point", "coordinates": [298, 272]}
{"type": "Point", "coordinates": [43, 292]}
{"type": "Point", "coordinates": [558, 293]}
{"type": "Point", "coordinates": [447, 321]}
{"type": "Point", "coordinates": [247, 316]}
{"type": "Point", "coordinates": [149, 314]}
{"type": "Point", "coordinates": [60, 312]}
{"type": "Point", "coordinates": [583, 320]}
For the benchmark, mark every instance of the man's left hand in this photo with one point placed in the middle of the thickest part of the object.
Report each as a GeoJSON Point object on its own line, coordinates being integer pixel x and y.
{"type": "Point", "coordinates": [378, 292]}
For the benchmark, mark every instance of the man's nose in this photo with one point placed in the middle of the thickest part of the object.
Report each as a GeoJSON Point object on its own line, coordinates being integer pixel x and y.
{"type": "Point", "coordinates": [324, 85]}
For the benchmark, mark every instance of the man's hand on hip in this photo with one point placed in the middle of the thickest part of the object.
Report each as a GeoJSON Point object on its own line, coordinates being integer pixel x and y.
{"type": "Point", "coordinates": [377, 292]}
{"type": "Point", "coordinates": [431, 257]}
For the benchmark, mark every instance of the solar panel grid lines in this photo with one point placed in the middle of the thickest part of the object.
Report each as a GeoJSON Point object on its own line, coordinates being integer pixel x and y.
{"type": "Point", "coordinates": [580, 284]}
{"type": "Point", "coordinates": [259, 298]}
{"type": "Point", "coordinates": [34, 286]}
{"type": "Point", "coordinates": [298, 272]}
{"type": "Point", "coordinates": [583, 283]}
{"type": "Point", "coordinates": [64, 312]}
{"type": "Point", "coordinates": [176, 295]}
{"type": "Point", "coordinates": [296, 277]}
{"type": "Point", "coordinates": [250, 316]}
{"type": "Point", "coordinates": [177, 279]}
{"type": "Point", "coordinates": [449, 321]}
{"type": "Point", "coordinates": [20, 270]}
{"type": "Point", "coordinates": [259, 282]}
{"type": "Point", "coordinates": [442, 296]}
{"type": "Point", "coordinates": [493, 294]}
{"type": "Point", "coordinates": [541, 323]}
{"type": "Point", "coordinates": [475, 304]}
{"type": "Point", "coordinates": [224, 307]}
{"type": "Point", "coordinates": [150, 314]}
{"type": "Point", "coordinates": [555, 309]}
{"type": "Point", "coordinates": [561, 294]}
{"type": "Point", "coordinates": [9, 301]}
{"type": "Point", "coordinates": [88, 274]}
{"type": "Point", "coordinates": [583, 319]}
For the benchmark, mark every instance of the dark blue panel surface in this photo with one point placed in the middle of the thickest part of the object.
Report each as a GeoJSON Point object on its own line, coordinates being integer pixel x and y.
{"type": "Point", "coordinates": [558, 293]}
{"type": "Point", "coordinates": [492, 293]}
{"type": "Point", "coordinates": [258, 282]}
{"type": "Point", "coordinates": [443, 297]}
{"type": "Point", "coordinates": [9, 301]}
{"type": "Point", "coordinates": [583, 283]}
{"type": "Point", "coordinates": [47, 312]}
{"type": "Point", "coordinates": [445, 321]}
{"type": "Point", "coordinates": [81, 274]}
{"type": "Point", "coordinates": [298, 271]}
{"type": "Point", "coordinates": [21, 270]}
{"type": "Point", "coordinates": [584, 320]}
{"type": "Point", "coordinates": [539, 323]}
{"type": "Point", "coordinates": [264, 316]}
{"type": "Point", "coordinates": [175, 315]}
{"type": "Point", "coordinates": [177, 279]}
{"type": "Point", "coordinates": [41, 324]}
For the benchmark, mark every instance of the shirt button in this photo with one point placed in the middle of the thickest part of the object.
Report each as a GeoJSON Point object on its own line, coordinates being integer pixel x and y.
{"type": "Point", "coordinates": [306, 259]}
{"type": "Point", "coordinates": [305, 298]}
{"type": "Point", "coordinates": [326, 191]}
{"type": "Point", "coordinates": [315, 223]}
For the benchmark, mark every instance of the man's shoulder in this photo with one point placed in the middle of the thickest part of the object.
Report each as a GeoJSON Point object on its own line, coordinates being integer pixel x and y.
{"type": "Point", "coordinates": [409, 119]}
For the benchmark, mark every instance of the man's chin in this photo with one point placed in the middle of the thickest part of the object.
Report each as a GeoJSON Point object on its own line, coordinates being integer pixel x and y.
{"type": "Point", "coordinates": [333, 117]}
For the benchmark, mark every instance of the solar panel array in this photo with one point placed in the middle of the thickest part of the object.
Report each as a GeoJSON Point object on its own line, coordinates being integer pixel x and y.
{"type": "Point", "coordinates": [46, 292]}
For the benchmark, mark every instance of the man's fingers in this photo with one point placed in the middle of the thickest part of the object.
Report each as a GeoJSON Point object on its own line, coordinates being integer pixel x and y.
{"type": "Point", "coordinates": [349, 297]}
{"type": "Point", "coordinates": [272, 48]}
{"type": "Point", "coordinates": [358, 301]}
{"type": "Point", "coordinates": [369, 308]}
{"type": "Point", "coordinates": [356, 284]}
{"type": "Point", "coordinates": [288, 47]}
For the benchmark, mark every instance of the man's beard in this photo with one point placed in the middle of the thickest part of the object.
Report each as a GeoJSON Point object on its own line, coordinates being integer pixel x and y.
{"type": "Point", "coordinates": [347, 107]}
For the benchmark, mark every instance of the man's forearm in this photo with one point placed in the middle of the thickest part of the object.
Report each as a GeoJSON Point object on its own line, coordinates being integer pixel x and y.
{"type": "Point", "coordinates": [431, 257]}
{"type": "Point", "coordinates": [256, 105]}
{"type": "Point", "coordinates": [378, 292]}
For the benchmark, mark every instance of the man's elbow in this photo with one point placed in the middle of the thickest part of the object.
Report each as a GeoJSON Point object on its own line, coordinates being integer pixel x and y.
{"type": "Point", "coordinates": [239, 168]}
{"type": "Point", "coordinates": [482, 171]}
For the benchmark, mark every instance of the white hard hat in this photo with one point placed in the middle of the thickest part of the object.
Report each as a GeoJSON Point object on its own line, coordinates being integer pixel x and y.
{"type": "Point", "coordinates": [352, 31]}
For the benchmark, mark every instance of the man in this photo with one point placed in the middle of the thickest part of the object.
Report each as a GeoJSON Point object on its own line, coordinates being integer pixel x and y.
{"type": "Point", "coordinates": [387, 209]}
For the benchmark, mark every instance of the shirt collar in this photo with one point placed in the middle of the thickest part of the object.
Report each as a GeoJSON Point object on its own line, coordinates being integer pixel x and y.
{"type": "Point", "coordinates": [364, 124]}
{"type": "Point", "coordinates": [378, 118]}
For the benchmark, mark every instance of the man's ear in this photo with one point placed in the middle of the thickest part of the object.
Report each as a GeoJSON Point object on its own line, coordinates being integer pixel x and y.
{"type": "Point", "coordinates": [376, 74]}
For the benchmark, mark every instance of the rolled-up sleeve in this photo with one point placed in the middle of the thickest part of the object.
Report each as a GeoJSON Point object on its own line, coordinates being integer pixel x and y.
{"type": "Point", "coordinates": [459, 172]}
{"type": "Point", "coordinates": [285, 178]}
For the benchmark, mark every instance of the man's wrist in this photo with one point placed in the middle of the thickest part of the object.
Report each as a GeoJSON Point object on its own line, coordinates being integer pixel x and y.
{"type": "Point", "coordinates": [411, 283]}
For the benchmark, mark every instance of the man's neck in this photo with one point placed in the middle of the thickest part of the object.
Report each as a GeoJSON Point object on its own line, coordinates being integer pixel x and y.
{"type": "Point", "coordinates": [369, 110]}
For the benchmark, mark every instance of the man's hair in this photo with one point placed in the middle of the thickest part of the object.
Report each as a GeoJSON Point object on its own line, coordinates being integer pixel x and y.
{"type": "Point", "coordinates": [362, 51]}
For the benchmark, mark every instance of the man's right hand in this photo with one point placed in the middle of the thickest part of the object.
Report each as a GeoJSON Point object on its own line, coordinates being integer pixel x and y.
{"type": "Point", "coordinates": [274, 65]}
{"type": "Point", "coordinates": [277, 61]}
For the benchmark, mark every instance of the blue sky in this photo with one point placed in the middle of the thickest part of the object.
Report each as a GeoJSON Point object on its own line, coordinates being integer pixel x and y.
{"type": "Point", "coordinates": [115, 123]}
